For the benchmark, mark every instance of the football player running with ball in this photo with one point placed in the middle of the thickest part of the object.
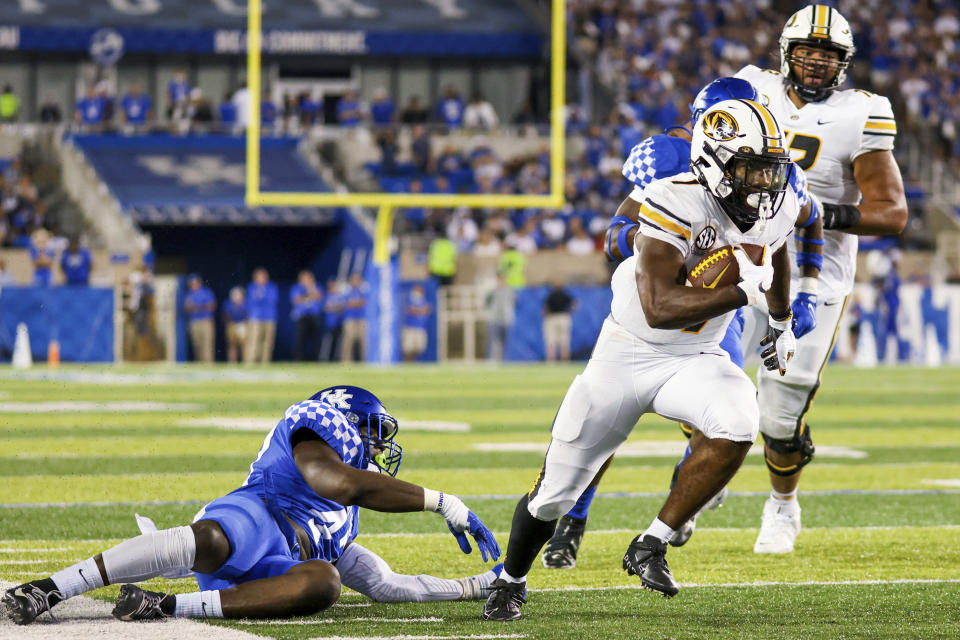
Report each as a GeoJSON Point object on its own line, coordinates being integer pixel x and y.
{"type": "Point", "coordinates": [663, 156]}
{"type": "Point", "coordinates": [843, 140]}
{"type": "Point", "coordinates": [658, 350]}
{"type": "Point", "coordinates": [282, 544]}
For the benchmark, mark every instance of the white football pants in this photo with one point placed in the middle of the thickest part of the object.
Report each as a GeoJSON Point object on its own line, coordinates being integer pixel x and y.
{"type": "Point", "coordinates": [624, 379]}
{"type": "Point", "coordinates": [784, 400]}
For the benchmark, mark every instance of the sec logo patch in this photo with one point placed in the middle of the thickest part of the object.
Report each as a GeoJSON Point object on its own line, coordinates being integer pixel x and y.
{"type": "Point", "coordinates": [705, 239]}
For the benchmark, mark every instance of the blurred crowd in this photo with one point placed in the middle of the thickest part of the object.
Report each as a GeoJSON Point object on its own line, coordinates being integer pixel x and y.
{"type": "Point", "coordinates": [652, 54]}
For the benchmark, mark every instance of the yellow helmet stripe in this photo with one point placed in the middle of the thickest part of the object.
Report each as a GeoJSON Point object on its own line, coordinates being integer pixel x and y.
{"type": "Point", "coordinates": [821, 21]}
{"type": "Point", "coordinates": [770, 129]}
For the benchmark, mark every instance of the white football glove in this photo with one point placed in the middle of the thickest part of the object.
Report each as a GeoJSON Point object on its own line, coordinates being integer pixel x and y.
{"type": "Point", "coordinates": [781, 344]}
{"type": "Point", "coordinates": [755, 280]}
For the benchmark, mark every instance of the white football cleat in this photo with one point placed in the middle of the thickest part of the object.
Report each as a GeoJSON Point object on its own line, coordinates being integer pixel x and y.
{"type": "Point", "coordinates": [779, 527]}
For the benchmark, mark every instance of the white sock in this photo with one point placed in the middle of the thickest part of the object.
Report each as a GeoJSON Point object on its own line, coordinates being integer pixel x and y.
{"type": "Point", "coordinates": [509, 578]}
{"type": "Point", "coordinates": [659, 530]}
{"type": "Point", "coordinates": [199, 604]}
{"type": "Point", "coordinates": [788, 500]}
{"type": "Point", "coordinates": [80, 578]}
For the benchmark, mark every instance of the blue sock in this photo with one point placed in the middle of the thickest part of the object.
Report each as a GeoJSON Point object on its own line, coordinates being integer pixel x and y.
{"type": "Point", "coordinates": [582, 508]}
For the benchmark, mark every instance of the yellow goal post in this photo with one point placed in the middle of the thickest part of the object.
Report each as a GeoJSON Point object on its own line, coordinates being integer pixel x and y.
{"type": "Point", "coordinates": [385, 202]}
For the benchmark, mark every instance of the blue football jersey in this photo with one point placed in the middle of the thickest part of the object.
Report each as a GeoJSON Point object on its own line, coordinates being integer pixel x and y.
{"type": "Point", "coordinates": [279, 482]}
{"type": "Point", "coordinates": [656, 157]}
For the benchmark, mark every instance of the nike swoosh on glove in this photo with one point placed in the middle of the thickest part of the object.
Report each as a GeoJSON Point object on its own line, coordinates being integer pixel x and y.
{"type": "Point", "coordinates": [755, 280]}
{"type": "Point", "coordinates": [804, 314]}
{"type": "Point", "coordinates": [483, 537]}
{"type": "Point", "coordinates": [781, 344]}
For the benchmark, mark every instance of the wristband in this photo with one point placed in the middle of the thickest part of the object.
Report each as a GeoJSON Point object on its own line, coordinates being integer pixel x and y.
{"type": "Point", "coordinates": [622, 244]}
{"type": "Point", "coordinates": [840, 216]}
{"type": "Point", "coordinates": [816, 241]}
{"type": "Point", "coordinates": [809, 285]}
{"type": "Point", "coordinates": [787, 315]}
{"type": "Point", "coordinates": [805, 258]}
{"type": "Point", "coordinates": [814, 214]}
{"type": "Point", "coordinates": [432, 500]}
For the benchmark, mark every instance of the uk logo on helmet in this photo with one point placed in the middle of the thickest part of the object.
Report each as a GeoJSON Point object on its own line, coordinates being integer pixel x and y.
{"type": "Point", "coordinates": [338, 398]}
{"type": "Point", "coordinates": [720, 125]}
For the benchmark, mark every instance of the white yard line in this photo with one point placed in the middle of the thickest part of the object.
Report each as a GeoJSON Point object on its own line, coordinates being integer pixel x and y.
{"type": "Point", "coordinates": [725, 585]}
{"type": "Point", "coordinates": [98, 407]}
{"type": "Point", "coordinates": [953, 483]}
{"type": "Point", "coordinates": [16, 550]}
{"type": "Point", "coordinates": [634, 531]}
{"type": "Point", "coordinates": [334, 621]}
{"type": "Point", "coordinates": [514, 496]}
{"type": "Point", "coordinates": [656, 449]}
{"type": "Point", "coordinates": [82, 618]}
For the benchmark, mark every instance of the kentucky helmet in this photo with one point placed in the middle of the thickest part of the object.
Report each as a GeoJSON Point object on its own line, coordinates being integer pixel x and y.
{"type": "Point", "coordinates": [721, 89]}
{"type": "Point", "coordinates": [821, 27]}
{"type": "Point", "coordinates": [737, 155]}
{"type": "Point", "coordinates": [376, 426]}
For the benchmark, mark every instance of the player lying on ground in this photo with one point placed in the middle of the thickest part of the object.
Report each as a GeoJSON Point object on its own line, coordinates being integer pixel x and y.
{"type": "Point", "coordinates": [658, 350]}
{"type": "Point", "coordinates": [664, 156]}
{"type": "Point", "coordinates": [282, 544]}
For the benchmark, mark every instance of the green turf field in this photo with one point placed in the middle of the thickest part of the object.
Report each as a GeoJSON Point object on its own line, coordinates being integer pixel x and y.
{"type": "Point", "coordinates": [879, 556]}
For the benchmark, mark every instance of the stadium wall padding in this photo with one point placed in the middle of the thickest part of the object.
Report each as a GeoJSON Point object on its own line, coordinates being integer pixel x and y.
{"type": "Point", "coordinates": [80, 318]}
{"type": "Point", "coordinates": [525, 339]}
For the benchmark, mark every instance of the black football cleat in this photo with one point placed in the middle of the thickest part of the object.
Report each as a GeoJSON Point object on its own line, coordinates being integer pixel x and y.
{"type": "Point", "coordinates": [646, 557]}
{"type": "Point", "coordinates": [136, 604]}
{"type": "Point", "coordinates": [505, 600]}
{"type": "Point", "coordinates": [24, 603]}
{"type": "Point", "coordinates": [561, 551]}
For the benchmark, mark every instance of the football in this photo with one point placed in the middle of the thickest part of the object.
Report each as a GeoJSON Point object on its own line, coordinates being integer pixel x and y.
{"type": "Point", "coordinates": [719, 268]}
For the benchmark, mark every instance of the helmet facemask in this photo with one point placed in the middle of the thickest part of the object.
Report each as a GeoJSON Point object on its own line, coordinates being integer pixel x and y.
{"type": "Point", "coordinates": [377, 431]}
{"type": "Point", "coordinates": [753, 185]}
{"type": "Point", "coordinates": [814, 78]}
{"type": "Point", "coordinates": [816, 27]}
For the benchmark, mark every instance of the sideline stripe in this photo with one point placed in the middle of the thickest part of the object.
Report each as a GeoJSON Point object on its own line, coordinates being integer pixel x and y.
{"type": "Point", "coordinates": [515, 496]}
{"type": "Point", "coordinates": [727, 585]}
{"type": "Point", "coordinates": [333, 621]}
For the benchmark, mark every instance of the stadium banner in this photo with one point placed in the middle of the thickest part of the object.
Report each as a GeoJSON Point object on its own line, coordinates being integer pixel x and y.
{"type": "Point", "coordinates": [79, 318]}
{"type": "Point", "coordinates": [336, 27]}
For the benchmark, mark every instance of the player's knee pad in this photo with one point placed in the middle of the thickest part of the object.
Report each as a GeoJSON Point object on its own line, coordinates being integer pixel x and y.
{"type": "Point", "coordinates": [801, 442]}
{"type": "Point", "coordinates": [548, 510]}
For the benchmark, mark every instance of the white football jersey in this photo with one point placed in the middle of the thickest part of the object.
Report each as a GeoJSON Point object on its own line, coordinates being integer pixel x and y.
{"type": "Point", "coordinates": [680, 212]}
{"type": "Point", "coordinates": [824, 139]}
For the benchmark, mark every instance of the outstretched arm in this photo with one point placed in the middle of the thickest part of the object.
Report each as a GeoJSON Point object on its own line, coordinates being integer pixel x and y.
{"type": "Point", "coordinates": [335, 480]}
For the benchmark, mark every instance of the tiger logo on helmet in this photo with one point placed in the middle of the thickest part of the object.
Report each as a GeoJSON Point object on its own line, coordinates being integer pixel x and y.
{"type": "Point", "coordinates": [721, 126]}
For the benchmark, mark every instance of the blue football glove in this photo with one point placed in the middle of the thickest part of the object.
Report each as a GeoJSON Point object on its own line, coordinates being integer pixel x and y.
{"type": "Point", "coordinates": [486, 543]}
{"type": "Point", "coordinates": [804, 314]}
